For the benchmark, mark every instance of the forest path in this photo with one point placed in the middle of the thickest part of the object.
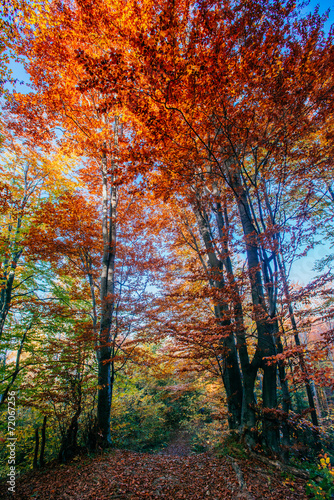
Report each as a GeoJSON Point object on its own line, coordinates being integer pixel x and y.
{"type": "Point", "coordinates": [179, 445]}
{"type": "Point", "coordinates": [127, 475]}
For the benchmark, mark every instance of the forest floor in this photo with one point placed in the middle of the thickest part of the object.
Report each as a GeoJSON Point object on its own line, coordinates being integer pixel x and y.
{"type": "Point", "coordinates": [174, 473]}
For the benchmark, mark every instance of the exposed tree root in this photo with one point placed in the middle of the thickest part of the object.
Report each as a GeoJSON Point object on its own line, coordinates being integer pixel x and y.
{"type": "Point", "coordinates": [242, 484]}
{"type": "Point", "coordinates": [279, 465]}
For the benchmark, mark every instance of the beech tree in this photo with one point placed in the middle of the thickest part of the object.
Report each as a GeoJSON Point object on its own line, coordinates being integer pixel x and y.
{"type": "Point", "coordinates": [87, 131]}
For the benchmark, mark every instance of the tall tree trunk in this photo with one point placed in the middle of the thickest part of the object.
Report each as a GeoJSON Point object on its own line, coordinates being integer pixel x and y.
{"type": "Point", "coordinates": [303, 367]}
{"type": "Point", "coordinates": [249, 371]}
{"type": "Point", "coordinates": [17, 366]}
{"type": "Point", "coordinates": [271, 286]}
{"type": "Point", "coordinates": [41, 456]}
{"type": "Point", "coordinates": [281, 267]}
{"type": "Point", "coordinates": [286, 402]}
{"type": "Point", "coordinates": [69, 445]}
{"type": "Point", "coordinates": [266, 345]}
{"type": "Point", "coordinates": [230, 372]}
{"type": "Point", "coordinates": [6, 291]}
{"type": "Point", "coordinates": [104, 351]}
{"type": "Point", "coordinates": [35, 462]}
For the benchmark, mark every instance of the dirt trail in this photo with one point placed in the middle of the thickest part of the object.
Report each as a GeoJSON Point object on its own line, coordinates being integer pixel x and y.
{"type": "Point", "coordinates": [179, 445]}
{"type": "Point", "coordinates": [174, 473]}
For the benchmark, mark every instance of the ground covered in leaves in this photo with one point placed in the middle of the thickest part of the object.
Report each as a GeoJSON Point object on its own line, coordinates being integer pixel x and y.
{"type": "Point", "coordinates": [174, 473]}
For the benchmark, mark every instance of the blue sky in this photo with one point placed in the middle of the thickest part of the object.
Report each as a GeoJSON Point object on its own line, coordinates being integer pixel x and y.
{"type": "Point", "coordinates": [324, 5]}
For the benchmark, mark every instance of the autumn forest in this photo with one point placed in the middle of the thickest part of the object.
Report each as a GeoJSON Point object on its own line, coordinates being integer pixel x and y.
{"type": "Point", "coordinates": [166, 246]}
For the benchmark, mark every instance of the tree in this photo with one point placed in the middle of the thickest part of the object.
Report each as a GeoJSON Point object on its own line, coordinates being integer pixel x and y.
{"type": "Point", "coordinates": [235, 120]}
{"type": "Point", "coordinates": [89, 132]}
{"type": "Point", "coordinates": [27, 177]}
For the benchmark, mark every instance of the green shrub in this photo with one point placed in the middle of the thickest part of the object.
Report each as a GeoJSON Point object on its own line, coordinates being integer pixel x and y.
{"type": "Point", "coordinates": [138, 421]}
{"type": "Point", "coordinates": [230, 444]}
{"type": "Point", "coordinates": [321, 483]}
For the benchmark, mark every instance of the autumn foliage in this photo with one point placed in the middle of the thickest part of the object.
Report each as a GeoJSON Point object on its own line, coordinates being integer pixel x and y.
{"type": "Point", "coordinates": [167, 172]}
